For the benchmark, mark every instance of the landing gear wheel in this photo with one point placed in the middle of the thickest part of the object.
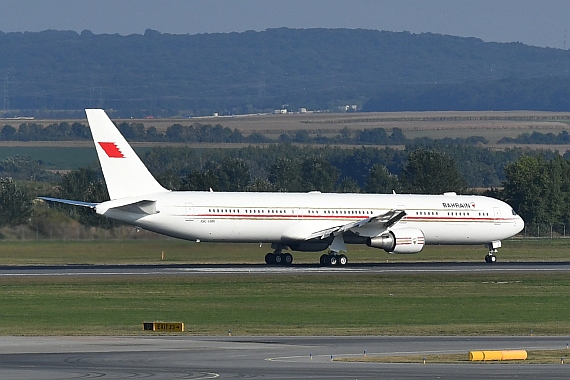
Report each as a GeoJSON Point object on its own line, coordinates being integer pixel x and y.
{"type": "Point", "coordinates": [333, 260]}
{"type": "Point", "coordinates": [270, 259]}
{"type": "Point", "coordinates": [342, 260]}
{"type": "Point", "coordinates": [287, 259]}
{"type": "Point", "coordinates": [324, 260]}
{"type": "Point", "coordinates": [278, 259]}
{"type": "Point", "coordinates": [491, 259]}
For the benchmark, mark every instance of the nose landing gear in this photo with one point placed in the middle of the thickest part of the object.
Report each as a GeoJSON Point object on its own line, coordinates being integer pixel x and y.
{"type": "Point", "coordinates": [493, 246]}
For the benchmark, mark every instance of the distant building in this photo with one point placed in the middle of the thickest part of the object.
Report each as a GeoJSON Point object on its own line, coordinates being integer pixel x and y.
{"type": "Point", "coordinates": [349, 108]}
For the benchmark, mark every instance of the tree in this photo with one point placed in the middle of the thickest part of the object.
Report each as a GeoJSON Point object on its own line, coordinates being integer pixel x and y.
{"type": "Point", "coordinates": [85, 185]}
{"type": "Point", "coordinates": [229, 175]}
{"type": "Point", "coordinates": [380, 181]}
{"type": "Point", "coordinates": [285, 175]}
{"type": "Point", "coordinates": [539, 190]}
{"type": "Point", "coordinates": [524, 187]}
{"type": "Point", "coordinates": [15, 203]}
{"type": "Point", "coordinates": [431, 172]}
{"type": "Point", "coordinates": [8, 133]}
{"type": "Point", "coordinates": [317, 173]}
{"type": "Point", "coordinates": [234, 174]}
{"type": "Point", "coordinates": [197, 180]}
{"type": "Point", "coordinates": [348, 185]}
{"type": "Point", "coordinates": [261, 185]}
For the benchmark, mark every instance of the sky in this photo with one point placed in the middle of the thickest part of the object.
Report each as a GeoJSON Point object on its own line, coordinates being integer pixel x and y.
{"type": "Point", "coordinates": [532, 22]}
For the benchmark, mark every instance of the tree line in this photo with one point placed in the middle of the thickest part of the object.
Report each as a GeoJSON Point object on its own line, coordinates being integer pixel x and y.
{"type": "Point", "coordinates": [481, 167]}
{"type": "Point", "coordinates": [538, 138]}
{"type": "Point", "coordinates": [207, 133]}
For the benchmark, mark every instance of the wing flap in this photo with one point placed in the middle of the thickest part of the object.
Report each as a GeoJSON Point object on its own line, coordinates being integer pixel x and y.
{"type": "Point", "coordinates": [385, 220]}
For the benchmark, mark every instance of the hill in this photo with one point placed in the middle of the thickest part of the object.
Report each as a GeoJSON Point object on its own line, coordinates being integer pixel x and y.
{"type": "Point", "coordinates": [164, 74]}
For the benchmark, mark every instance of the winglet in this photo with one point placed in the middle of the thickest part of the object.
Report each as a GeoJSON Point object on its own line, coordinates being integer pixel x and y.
{"type": "Point", "coordinates": [124, 172]}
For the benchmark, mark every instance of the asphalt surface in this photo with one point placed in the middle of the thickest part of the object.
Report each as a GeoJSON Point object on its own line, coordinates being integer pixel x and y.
{"type": "Point", "coordinates": [202, 269]}
{"type": "Point", "coordinates": [261, 357]}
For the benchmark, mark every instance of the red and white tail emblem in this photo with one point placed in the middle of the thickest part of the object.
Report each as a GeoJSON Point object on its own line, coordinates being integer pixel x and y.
{"type": "Point", "coordinates": [112, 150]}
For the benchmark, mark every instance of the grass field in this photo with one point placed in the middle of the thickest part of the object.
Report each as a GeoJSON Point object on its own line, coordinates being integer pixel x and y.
{"type": "Point", "coordinates": [339, 304]}
{"type": "Point", "coordinates": [63, 156]}
{"type": "Point", "coordinates": [285, 304]}
{"type": "Point", "coordinates": [53, 158]}
{"type": "Point", "coordinates": [534, 357]}
{"type": "Point", "coordinates": [41, 252]}
{"type": "Point", "coordinates": [422, 122]}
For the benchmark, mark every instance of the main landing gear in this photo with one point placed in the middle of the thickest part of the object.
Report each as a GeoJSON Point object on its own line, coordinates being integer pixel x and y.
{"type": "Point", "coordinates": [273, 258]}
{"type": "Point", "coordinates": [333, 259]}
{"type": "Point", "coordinates": [493, 246]}
{"type": "Point", "coordinates": [277, 257]}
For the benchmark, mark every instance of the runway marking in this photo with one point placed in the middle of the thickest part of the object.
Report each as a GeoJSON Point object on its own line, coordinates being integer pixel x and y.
{"type": "Point", "coordinates": [210, 375]}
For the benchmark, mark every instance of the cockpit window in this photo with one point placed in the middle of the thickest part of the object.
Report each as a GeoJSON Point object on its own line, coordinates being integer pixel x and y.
{"type": "Point", "coordinates": [513, 211]}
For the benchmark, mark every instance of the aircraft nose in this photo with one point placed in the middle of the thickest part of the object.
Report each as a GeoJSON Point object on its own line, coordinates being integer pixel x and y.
{"type": "Point", "coordinates": [519, 223]}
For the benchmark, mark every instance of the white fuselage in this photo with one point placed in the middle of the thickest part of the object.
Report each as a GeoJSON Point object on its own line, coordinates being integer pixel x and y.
{"type": "Point", "coordinates": [286, 217]}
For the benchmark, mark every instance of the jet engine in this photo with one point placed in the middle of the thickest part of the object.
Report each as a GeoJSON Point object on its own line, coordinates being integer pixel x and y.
{"type": "Point", "coordinates": [401, 240]}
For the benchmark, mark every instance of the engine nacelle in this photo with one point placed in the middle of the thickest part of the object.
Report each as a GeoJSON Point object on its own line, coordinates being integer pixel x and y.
{"type": "Point", "coordinates": [401, 240]}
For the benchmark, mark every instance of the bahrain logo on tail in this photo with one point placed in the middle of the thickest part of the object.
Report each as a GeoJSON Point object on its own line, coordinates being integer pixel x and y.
{"type": "Point", "coordinates": [111, 149]}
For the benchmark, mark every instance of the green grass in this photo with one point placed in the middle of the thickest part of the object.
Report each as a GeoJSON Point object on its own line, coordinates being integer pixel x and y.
{"type": "Point", "coordinates": [42, 252]}
{"type": "Point", "coordinates": [534, 357]}
{"type": "Point", "coordinates": [340, 304]}
{"type": "Point", "coordinates": [59, 158]}
{"type": "Point", "coordinates": [501, 303]}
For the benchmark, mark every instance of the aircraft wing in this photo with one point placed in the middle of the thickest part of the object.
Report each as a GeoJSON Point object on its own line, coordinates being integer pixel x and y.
{"type": "Point", "coordinates": [69, 202]}
{"type": "Point", "coordinates": [382, 221]}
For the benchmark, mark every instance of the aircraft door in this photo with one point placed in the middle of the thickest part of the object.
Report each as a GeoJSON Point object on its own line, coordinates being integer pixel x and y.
{"type": "Point", "coordinates": [496, 214]}
{"type": "Point", "coordinates": [189, 212]}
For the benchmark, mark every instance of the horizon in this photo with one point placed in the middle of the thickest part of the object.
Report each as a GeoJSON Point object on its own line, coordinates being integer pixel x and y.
{"type": "Point", "coordinates": [531, 22]}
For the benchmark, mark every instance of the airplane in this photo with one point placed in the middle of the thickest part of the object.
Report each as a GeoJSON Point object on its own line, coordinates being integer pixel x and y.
{"type": "Point", "coordinates": [311, 222]}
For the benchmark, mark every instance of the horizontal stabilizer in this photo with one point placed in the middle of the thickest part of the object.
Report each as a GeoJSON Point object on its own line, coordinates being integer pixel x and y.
{"type": "Point", "coordinates": [69, 202]}
{"type": "Point", "coordinates": [137, 205]}
{"type": "Point", "coordinates": [141, 207]}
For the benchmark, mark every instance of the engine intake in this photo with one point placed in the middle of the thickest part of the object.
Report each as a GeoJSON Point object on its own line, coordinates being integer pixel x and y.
{"type": "Point", "coordinates": [402, 240]}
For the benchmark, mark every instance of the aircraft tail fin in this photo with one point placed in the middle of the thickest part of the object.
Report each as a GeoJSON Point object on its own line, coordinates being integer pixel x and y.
{"type": "Point", "coordinates": [124, 172]}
